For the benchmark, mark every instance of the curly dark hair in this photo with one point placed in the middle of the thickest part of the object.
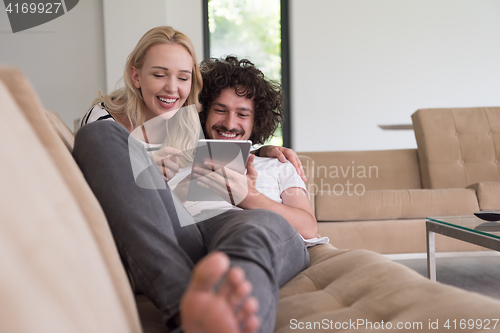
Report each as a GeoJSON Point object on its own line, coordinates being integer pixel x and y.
{"type": "Point", "coordinates": [247, 80]}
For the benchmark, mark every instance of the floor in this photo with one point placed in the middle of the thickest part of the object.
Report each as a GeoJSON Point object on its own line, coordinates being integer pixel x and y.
{"type": "Point", "coordinates": [480, 274]}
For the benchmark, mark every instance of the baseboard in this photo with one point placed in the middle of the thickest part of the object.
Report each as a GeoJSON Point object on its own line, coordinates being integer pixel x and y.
{"type": "Point", "coordinates": [423, 255]}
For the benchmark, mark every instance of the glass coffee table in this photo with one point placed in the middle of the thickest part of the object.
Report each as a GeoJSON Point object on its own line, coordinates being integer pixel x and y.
{"type": "Point", "coordinates": [466, 228]}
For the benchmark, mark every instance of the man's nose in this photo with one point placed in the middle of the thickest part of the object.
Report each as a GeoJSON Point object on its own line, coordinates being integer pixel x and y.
{"type": "Point", "coordinates": [230, 121]}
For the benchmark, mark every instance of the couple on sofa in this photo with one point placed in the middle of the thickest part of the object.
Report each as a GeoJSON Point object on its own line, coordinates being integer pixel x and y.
{"type": "Point", "coordinates": [263, 240]}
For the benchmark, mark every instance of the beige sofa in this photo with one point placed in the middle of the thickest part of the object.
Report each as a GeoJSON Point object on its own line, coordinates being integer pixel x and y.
{"type": "Point", "coordinates": [378, 200]}
{"type": "Point", "coordinates": [60, 270]}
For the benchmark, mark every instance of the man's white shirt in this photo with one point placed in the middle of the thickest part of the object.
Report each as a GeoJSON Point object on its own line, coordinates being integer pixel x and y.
{"type": "Point", "coordinates": [273, 177]}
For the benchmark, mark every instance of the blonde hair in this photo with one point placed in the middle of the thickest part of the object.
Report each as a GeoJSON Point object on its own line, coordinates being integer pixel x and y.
{"type": "Point", "coordinates": [185, 131]}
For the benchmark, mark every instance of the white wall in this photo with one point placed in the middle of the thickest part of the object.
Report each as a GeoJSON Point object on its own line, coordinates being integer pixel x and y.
{"type": "Point", "coordinates": [124, 24]}
{"type": "Point", "coordinates": [63, 59]}
{"type": "Point", "coordinates": [187, 17]}
{"type": "Point", "coordinates": [68, 60]}
{"type": "Point", "coordinates": [358, 63]}
{"type": "Point", "coordinates": [126, 21]}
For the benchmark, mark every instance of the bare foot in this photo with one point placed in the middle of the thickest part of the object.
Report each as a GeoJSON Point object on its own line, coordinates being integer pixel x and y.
{"type": "Point", "coordinates": [225, 310]}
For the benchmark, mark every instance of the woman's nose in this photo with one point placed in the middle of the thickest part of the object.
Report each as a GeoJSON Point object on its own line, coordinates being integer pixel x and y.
{"type": "Point", "coordinates": [170, 85]}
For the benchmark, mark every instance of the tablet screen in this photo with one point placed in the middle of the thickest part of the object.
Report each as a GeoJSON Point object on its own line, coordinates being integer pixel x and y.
{"type": "Point", "coordinates": [232, 154]}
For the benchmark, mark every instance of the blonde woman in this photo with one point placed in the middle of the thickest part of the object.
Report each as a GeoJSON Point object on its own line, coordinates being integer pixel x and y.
{"type": "Point", "coordinates": [151, 90]}
{"type": "Point", "coordinates": [162, 82]}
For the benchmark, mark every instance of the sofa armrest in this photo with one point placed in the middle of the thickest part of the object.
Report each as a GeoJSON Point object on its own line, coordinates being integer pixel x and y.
{"type": "Point", "coordinates": [488, 195]}
{"type": "Point", "coordinates": [394, 204]}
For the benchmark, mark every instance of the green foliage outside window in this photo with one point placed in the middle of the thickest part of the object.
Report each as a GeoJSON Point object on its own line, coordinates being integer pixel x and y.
{"type": "Point", "coordinates": [248, 29]}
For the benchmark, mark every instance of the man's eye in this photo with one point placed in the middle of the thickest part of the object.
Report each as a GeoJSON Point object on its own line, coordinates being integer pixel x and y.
{"type": "Point", "coordinates": [219, 110]}
{"type": "Point", "coordinates": [244, 115]}
{"type": "Point", "coordinates": [158, 75]}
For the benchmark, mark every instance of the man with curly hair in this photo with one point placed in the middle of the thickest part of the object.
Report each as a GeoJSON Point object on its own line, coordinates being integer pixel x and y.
{"type": "Point", "coordinates": [239, 103]}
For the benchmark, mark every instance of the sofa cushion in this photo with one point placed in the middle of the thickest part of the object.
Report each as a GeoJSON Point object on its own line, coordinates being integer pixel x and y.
{"type": "Point", "coordinates": [42, 155]}
{"type": "Point", "coordinates": [342, 286]}
{"type": "Point", "coordinates": [458, 147]}
{"type": "Point", "coordinates": [394, 204]}
{"type": "Point", "coordinates": [488, 195]}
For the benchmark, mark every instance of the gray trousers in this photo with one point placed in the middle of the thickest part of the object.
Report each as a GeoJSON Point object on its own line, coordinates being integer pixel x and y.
{"type": "Point", "coordinates": [158, 252]}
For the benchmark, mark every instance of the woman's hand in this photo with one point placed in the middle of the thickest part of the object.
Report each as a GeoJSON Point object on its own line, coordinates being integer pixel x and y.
{"type": "Point", "coordinates": [166, 161]}
{"type": "Point", "coordinates": [283, 154]}
{"type": "Point", "coordinates": [235, 188]}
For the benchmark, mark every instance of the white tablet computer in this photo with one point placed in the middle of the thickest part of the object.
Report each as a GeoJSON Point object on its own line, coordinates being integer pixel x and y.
{"type": "Point", "coordinates": [232, 154]}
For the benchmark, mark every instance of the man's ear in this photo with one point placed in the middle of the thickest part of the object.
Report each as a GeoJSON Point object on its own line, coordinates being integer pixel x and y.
{"type": "Point", "coordinates": [134, 76]}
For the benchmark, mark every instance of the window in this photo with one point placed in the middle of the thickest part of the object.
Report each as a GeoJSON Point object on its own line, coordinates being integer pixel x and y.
{"type": "Point", "coordinates": [256, 30]}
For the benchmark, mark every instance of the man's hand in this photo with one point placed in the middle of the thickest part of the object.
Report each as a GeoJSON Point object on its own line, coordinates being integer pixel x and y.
{"type": "Point", "coordinates": [181, 190]}
{"type": "Point", "coordinates": [235, 188]}
{"type": "Point", "coordinates": [283, 154]}
{"type": "Point", "coordinates": [166, 161]}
